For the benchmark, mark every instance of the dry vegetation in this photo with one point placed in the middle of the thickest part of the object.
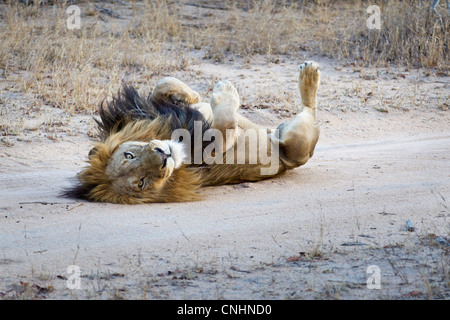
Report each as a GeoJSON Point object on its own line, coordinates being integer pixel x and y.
{"type": "Point", "coordinates": [75, 69]}
{"type": "Point", "coordinates": [411, 34]}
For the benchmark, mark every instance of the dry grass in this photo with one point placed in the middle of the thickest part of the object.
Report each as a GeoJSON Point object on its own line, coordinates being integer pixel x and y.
{"type": "Point", "coordinates": [76, 69]}
{"type": "Point", "coordinates": [410, 34]}
{"type": "Point", "coordinates": [265, 28]}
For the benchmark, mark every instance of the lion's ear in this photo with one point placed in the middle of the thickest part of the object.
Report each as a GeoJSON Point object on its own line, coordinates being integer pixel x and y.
{"type": "Point", "coordinates": [93, 152]}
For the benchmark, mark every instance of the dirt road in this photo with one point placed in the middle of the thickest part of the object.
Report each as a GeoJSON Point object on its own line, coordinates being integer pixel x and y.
{"type": "Point", "coordinates": [310, 233]}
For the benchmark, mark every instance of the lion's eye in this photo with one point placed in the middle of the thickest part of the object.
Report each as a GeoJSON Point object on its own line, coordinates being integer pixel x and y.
{"type": "Point", "coordinates": [141, 183]}
{"type": "Point", "coordinates": [128, 155]}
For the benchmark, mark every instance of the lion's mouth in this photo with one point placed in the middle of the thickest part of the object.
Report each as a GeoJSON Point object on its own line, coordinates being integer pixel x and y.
{"type": "Point", "coordinates": [175, 151]}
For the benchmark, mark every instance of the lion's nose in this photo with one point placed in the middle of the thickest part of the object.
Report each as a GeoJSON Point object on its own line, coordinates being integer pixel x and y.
{"type": "Point", "coordinates": [164, 155]}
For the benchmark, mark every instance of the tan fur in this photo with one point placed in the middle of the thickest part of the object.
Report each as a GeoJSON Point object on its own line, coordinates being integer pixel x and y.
{"type": "Point", "coordinates": [116, 178]}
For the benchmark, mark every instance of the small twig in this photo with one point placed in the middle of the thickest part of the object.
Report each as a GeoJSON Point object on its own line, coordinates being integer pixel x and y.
{"type": "Point", "coordinates": [205, 6]}
{"type": "Point", "coordinates": [75, 206]}
{"type": "Point", "coordinates": [40, 251]}
{"type": "Point", "coordinates": [187, 239]}
{"type": "Point", "coordinates": [275, 241]}
{"type": "Point", "coordinates": [349, 244]}
{"type": "Point", "coordinates": [239, 270]}
{"type": "Point", "coordinates": [45, 202]}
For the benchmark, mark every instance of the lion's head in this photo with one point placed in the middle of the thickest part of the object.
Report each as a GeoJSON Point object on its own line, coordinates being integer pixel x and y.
{"type": "Point", "coordinates": [136, 168]}
{"type": "Point", "coordinates": [134, 172]}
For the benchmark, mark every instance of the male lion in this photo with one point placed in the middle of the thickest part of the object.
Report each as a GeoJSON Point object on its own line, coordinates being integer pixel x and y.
{"type": "Point", "coordinates": [138, 160]}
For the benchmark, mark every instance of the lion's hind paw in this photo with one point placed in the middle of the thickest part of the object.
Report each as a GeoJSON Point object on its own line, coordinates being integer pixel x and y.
{"type": "Point", "coordinates": [309, 69]}
{"type": "Point", "coordinates": [225, 97]}
{"type": "Point", "coordinates": [225, 86]}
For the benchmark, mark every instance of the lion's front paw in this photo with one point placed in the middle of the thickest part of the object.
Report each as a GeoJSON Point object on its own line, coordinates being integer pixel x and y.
{"type": "Point", "coordinates": [309, 70]}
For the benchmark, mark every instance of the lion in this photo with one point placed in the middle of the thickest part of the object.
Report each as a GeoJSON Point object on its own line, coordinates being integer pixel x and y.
{"type": "Point", "coordinates": [147, 145]}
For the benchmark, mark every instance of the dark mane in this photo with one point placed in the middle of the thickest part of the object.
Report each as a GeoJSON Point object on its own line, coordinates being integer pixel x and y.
{"type": "Point", "coordinates": [77, 190]}
{"type": "Point", "coordinates": [129, 106]}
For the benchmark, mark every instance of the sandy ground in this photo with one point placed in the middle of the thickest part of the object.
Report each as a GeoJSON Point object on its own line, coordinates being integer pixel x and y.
{"type": "Point", "coordinates": [310, 234]}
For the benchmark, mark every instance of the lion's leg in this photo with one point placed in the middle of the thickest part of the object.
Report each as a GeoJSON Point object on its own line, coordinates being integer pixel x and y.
{"type": "Point", "coordinates": [224, 105]}
{"type": "Point", "coordinates": [298, 137]}
{"type": "Point", "coordinates": [176, 91]}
